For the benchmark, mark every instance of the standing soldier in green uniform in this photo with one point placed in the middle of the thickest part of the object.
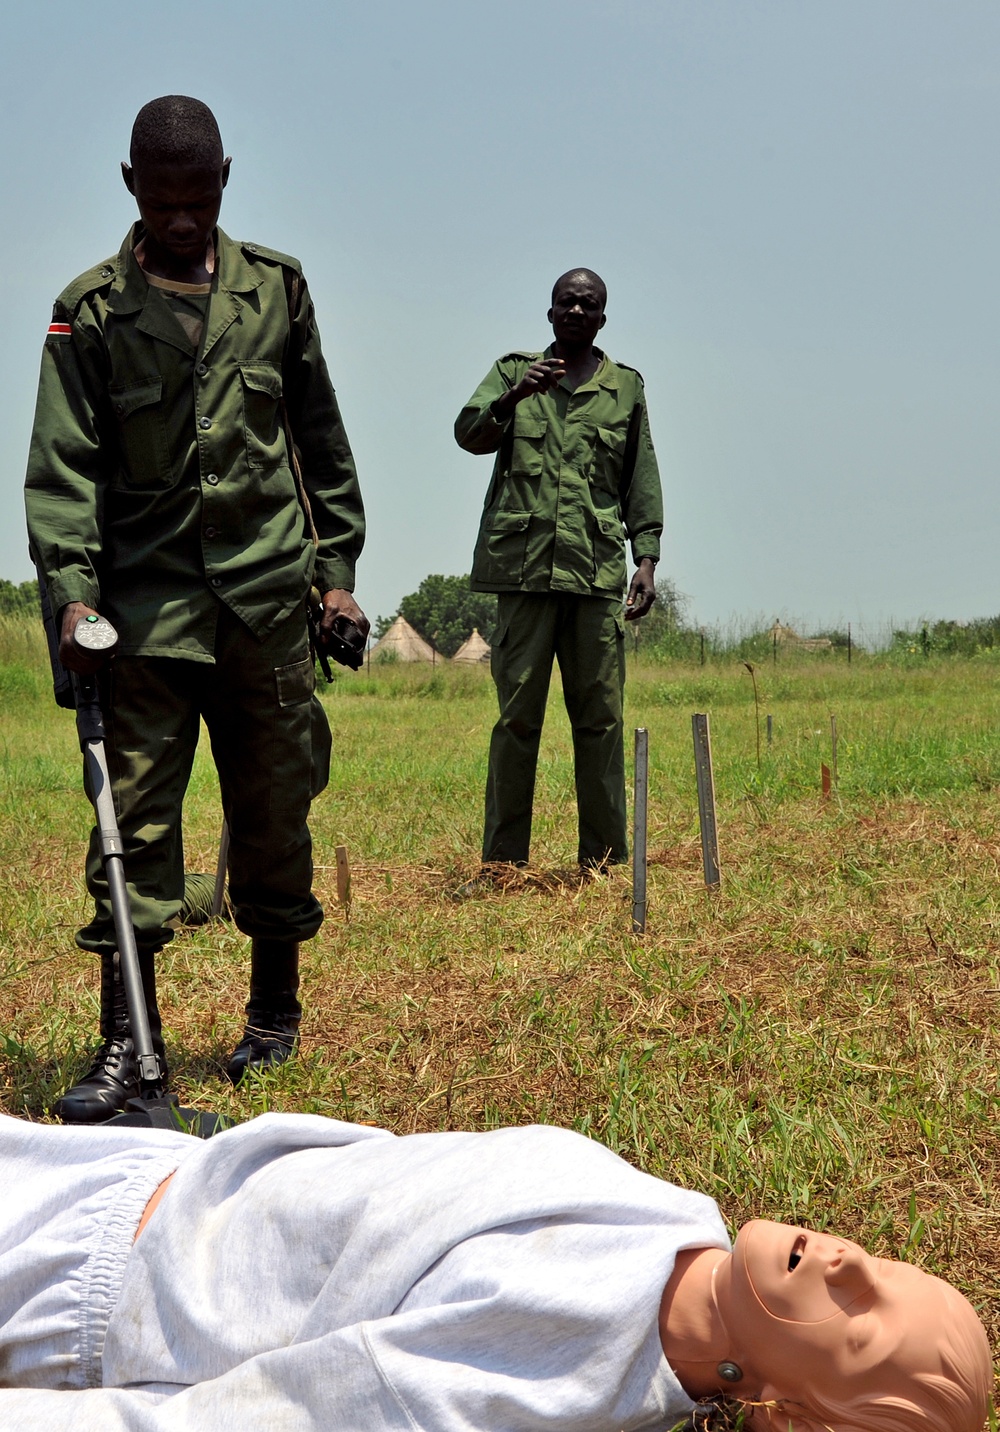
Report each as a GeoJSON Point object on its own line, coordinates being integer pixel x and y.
{"type": "Point", "coordinates": [161, 492]}
{"type": "Point", "coordinates": [574, 463]}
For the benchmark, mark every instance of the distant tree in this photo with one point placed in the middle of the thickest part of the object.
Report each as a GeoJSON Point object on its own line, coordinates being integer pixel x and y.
{"type": "Point", "coordinates": [444, 611]}
{"type": "Point", "coordinates": [21, 598]}
{"type": "Point", "coordinates": [664, 631]}
{"type": "Point", "coordinates": [949, 638]}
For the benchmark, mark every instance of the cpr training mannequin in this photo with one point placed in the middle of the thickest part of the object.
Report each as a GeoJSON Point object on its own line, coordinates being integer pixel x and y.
{"type": "Point", "coordinates": [314, 1276]}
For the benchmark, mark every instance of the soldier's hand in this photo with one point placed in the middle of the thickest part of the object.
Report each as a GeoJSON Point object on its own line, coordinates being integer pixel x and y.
{"type": "Point", "coordinates": [83, 663]}
{"type": "Point", "coordinates": [340, 610]}
{"type": "Point", "coordinates": [539, 378]}
{"type": "Point", "coordinates": [642, 591]}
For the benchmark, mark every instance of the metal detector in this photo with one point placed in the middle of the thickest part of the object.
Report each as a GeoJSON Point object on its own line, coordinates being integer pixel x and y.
{"type": "Point", "coordinates": [153, 1107]}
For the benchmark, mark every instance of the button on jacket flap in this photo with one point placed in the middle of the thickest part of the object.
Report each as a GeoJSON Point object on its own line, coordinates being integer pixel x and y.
{"type": "Point", "coordinates": [126, 400]}
{"type": "Point", "coordinates": [262, 377]}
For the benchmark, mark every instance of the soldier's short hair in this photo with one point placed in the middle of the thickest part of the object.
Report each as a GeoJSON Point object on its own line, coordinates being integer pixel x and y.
{"type": "Point", "coordinates": [176, 129]}
{"type": "Point", "coordinates": [587, 273]}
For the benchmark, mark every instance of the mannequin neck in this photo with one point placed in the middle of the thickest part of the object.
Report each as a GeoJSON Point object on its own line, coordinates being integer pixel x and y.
{"type": "Point", "coordinates": [692, 1335]}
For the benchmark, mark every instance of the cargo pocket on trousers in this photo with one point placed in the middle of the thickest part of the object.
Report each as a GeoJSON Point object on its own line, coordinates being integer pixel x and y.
{"type": "Point", "coordinates": [497, 645]}
{"type": "Point", "coordinates": [322, 746]}
{"type": "Point", "coordinates": [295, 683]}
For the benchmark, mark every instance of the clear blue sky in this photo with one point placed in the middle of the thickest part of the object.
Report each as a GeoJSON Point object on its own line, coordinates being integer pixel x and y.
{"type": "Point", "coordinates": [794, 206]}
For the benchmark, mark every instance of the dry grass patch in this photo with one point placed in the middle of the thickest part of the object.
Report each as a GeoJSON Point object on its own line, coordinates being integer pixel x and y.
{"type": "Point", "coordinates": [815, 1042]}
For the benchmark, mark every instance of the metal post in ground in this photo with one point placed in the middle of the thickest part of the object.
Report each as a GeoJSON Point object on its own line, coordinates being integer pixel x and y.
{"type": "Point", "coordinates": [706, 800]}
{"type": "Point", "coordinates": [639, 830]}
{"type": "Point", "coordinates": [343, 879]}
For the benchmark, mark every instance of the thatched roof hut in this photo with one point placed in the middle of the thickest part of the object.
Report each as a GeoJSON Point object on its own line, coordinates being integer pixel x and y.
{"type": "Point", "coordinates": [402, 643]}
{"type": "Point", "coordinates": [785, 636]}
{"type": "Point", "coordinates": [473, 649]}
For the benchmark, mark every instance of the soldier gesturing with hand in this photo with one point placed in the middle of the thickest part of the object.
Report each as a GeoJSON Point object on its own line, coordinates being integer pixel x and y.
{"type": "Point", "coordinates": [574, 469]}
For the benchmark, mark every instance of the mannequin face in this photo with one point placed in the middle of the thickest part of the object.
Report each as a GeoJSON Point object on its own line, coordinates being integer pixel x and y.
{"type": "Point", "coordinates": [804, 1277]}
{"type": "Point", "coordinates": [809, 1313]}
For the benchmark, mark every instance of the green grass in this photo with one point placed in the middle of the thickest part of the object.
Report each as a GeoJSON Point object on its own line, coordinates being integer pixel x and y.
{"type": "Point", "coordinates": [815, 1042]}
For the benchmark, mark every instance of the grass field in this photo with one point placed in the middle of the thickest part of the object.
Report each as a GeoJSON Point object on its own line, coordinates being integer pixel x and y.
{"type": "Point", "coordinates": [816, 1042]}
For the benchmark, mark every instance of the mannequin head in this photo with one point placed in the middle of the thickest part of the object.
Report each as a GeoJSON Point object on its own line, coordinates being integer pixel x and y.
{"type": "Point", "coordinates": [827, 1336]}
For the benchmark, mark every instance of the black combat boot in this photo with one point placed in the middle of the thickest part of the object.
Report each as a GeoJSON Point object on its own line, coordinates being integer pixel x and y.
{"type": "Point", "coordinates": [113, 1078]}
{"type": "Point", "coordinates": [271, 1034]}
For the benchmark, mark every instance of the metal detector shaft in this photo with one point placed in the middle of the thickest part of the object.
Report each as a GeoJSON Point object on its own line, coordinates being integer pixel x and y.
{"type": "Point", "coordinates": [221, 868]}
{"type": "Point", "coordinates": [90, 726]}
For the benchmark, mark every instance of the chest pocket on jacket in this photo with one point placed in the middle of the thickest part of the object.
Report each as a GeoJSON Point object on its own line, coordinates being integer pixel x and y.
{"type": "Point", "coordinates": [142, 434]}
{"type": "Point", "coordinates": [609, 454]}
{"type": "Point", "coordinates": [526, 453]}
{"type": "Point", "coordinates": [262, 414]}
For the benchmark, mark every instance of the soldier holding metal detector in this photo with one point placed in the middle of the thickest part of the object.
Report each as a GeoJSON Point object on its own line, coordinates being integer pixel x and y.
{"type": "Point", "coordinates": [166, 492]}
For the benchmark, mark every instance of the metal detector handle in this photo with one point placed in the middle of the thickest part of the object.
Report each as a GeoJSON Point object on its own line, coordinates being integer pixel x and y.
{"type": "Point", "coordinates": [345, 652]}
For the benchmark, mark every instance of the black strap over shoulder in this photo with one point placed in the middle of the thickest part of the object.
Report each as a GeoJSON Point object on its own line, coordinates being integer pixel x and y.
{"type": "Point", "coordinates": [293, 287]}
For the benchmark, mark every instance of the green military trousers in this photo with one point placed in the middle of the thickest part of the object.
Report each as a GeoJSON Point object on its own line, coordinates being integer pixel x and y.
{"type": "Point", "coordinates": [271, 744]}
{"type": "Point", "coordinates": [587, 637]}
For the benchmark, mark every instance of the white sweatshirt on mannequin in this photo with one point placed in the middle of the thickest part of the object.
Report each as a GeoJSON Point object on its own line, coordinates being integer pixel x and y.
{"type": "Point", "coordinates": [305, 1275]}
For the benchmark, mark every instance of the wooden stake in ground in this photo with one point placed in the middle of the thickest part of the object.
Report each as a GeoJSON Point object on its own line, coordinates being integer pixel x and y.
{"type": "Point", "coordinates": [639, 830]}
{"type": "Point", "coordinates": [756, 704]}
{"type": "Point", "coordinates": [824, 772]}
{"type": "Point", "coordinates": [706, 800]}
{"type": "Point", "coordinates": [221, 867]}
{"type": "Point", "coordinates": [343, 878]}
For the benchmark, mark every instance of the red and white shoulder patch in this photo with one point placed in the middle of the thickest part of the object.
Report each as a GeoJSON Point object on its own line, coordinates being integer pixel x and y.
{"type": "Point", "coordinates": [60, 329]}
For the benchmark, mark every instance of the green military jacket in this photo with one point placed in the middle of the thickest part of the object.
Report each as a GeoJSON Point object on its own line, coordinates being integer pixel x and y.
{"type": "Point", "coordinates": [572, 468]}
{"type": "Point", "coordinates": [159, 480]}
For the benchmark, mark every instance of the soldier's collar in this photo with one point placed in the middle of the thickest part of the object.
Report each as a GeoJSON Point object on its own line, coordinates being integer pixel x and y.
{"type": "Point", "coordinates": [130, 290]}
{"type": "Point", "coordinates": [606, 375]}
{"type": "Point", "coordinates": [235, 273]}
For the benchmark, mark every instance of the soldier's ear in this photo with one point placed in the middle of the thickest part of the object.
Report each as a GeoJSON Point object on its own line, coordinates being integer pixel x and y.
{"type": "Point", "coordinates": [128, 174]}
{"type": "Point", "coordinates": [604, 319]}
{"type": "Point", "coordinates": [225, 170]}
{"type": "Point", "coordinates": [548, 316]}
